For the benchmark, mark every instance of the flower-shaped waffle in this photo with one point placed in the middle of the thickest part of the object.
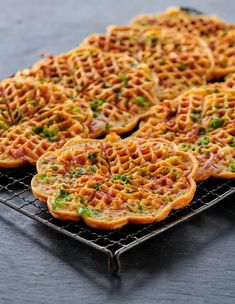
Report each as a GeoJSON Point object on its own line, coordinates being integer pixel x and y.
{"type": "Point", "coordinates": [200, 121]}
{"type": "Point", "coordinates": [79, 67]}
{"type": "Point", "coordinates": [111, 182]}
{"type": "Point", "coordinates": [219, 34]}
{"type": "Point", "coordinates": [182, 21]}
{"type": "Point", "coordinates": [179, 60]}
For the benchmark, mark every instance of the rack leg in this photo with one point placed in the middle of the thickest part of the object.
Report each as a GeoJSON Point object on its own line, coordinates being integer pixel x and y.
{"type": "Point", "coordinates": [114, 264]}
{"type": "Point", "coordinates": [191, 10]}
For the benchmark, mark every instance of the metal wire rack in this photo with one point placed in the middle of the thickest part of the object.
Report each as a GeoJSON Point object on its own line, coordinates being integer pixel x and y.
{"type": "Point", "coordinates": [15, 192]}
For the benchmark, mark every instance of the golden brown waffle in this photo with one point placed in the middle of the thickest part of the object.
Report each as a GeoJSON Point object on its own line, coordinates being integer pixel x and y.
{"type": "Point", "coordinates": [42, 118]}
{"type": "Point", "coordinates": [24, 98]}
{"type": "Point", "coordinates": [219, 34]}
{"type": "Point", "coordinates": [223, 49]}
{"type": "Point", "coordinates": [215, 152]}
{"type": "Point", "coordinates": [111, 182]}
{"type": "Point", "coordinates": [118, 39]}
{"type": "Point", "coordinates": [5, 118]}
{"type": "Point", "coordinates": [230, 80]}
{"type": "Point", "coordinates": [182, 21]}
{"type": "Point", "coordinates": [199, 121]}
{"type": "Point", "coordinates": [47, 130]}
{"type": "Point", "coordinates": [37, 117]}
{"type": "Point", "coordinates": [79, 67]}
{"type": "Point", "coordinates": [179, 60]}
{"type": "Point", "coordinates": [121, 99]}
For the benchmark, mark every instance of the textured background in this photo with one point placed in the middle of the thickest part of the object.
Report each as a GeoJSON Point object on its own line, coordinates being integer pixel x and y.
{"type": "Point", "coordinates": [193, 263]}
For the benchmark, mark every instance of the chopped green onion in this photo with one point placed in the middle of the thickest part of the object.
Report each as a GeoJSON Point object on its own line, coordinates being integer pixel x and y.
{"type": "Point", "coordinates": [76, 110]}
{"type": "Point", "coordinates": [49, 133]}
{"type": "Point", "coordinates": [141, 101]}
{"type": "Point", "coordinates": [95, 104]}
{"type": "Point", "coordinates": [216, 123]}
{"type": "Point", "coordinates": [3, 125]}
{"type": "Point", "coordinates": [123, 77]}
{"type": "Point", "coordinates": [150, 40]}
{"type": "Point", "coordinates": [205, 141]}
{"type": "Point", "coordinates": [182, 66]}
{"type": "Point", "coordinates": [233, 165]}
{"type": "Point", "coordinates": [92, 157]}
{"type": "Point", "coordinates": [166, 198]}
{"type": "Point", "coordinates": [107, 126]}
{"type": "Point", "coordinates": [204, 151]}
{"type": "Point", "coordinates": [78, 173]}
{"type": "Point", "coordinates": [118, 95]}
{"type": "Point", "coordinates": [96, 186]}
{"type": "Point", "coordinates": [122, 177]}
{"type": "Point", "coordinates": [130, 208]}
{"type": "Point", "coordinates": [140, 207]}
{"type": "Point", "coordinates": [87, 212]}
{"type": "Point", "coordinates": [44, 177]}
{"type": "Point", "coordinates": [61, 198]}
{"type": "Point", "coordinates": [93, 168]}
{"type": "Point", "coordinates": [37, 129]}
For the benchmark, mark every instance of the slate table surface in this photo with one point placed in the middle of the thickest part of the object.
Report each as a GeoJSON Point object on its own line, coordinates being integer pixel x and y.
{"type": "Point", "coordinates": [192, 263]}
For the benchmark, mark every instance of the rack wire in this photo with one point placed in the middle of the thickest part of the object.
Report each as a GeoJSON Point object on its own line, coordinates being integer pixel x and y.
{"type": "Point", "coordinates": [15, 192]}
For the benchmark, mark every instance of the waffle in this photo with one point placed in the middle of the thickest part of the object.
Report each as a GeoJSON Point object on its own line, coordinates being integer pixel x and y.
{"type": "Point", "coordinates": [230, 80]}
{"type": "Point", "coordinates": [5, 118]}
{"type": "Point", "coordinates": [215, 152]}
{"type": "Point", "coordinates": [122, 99]}
{"type": "Point", "coordinates": [79, 67]}
{"type": "Point", "coordinates": [24, 98]}
{"type": "Point", "coordinates": [200, 121]}
{"type": "Point", "coordinates": [181, 20]}
{"type": "Point", "coordinates": [179, 60]}
{"type": "Point", "coordinates": [223, 49]}
{"type": "Point", "coordinates": [111, 182]}
{"type": "Point", "coordinates": [47, 130]}
{"type": "Point", "coordinates": [37, 117]}
{"type": "Point", "coordinates": [219, 34]}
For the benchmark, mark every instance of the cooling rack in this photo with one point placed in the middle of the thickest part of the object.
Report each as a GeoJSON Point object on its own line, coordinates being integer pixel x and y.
{"type": "Point", "coordinates": [15, 192]}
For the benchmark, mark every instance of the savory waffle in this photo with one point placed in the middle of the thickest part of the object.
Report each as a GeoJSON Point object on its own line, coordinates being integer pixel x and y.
{"type": "Point", "coordinates": [23, 98]}
{"type": "Point", "coordinates": [201, 121]}
{"type": "Point", "coordinates": [111, 182]}
{"type": "Point", "coordinates": [79, 67]}
{"type": "Point", "coordinates": [179, 60]}
{"type": "Point", "coordinates": [230, 80]}
{"type": "Point", "coordinates": [219, 34]}
{"type": "Point", "coordinates": [182, 21]}
{"type": "Point", "coordinates": [121, 99]}
{"type": "Point", "coordinates": [223, 49]}
{"type": "Point", "coordinates": [46, 130]}
{"type": "Point", "coordinates": [36, 117]}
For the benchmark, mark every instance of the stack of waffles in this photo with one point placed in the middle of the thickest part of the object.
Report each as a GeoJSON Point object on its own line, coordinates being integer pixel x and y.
{"type": "Point", "coordinates": [164, 83]}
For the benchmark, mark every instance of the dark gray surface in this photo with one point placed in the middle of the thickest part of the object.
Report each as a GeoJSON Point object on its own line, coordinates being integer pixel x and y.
{"type": "Point", "coordinates": [193, 263]}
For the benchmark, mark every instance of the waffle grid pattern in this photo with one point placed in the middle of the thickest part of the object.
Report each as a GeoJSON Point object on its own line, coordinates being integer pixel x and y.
{"type": "Point", "coordinates": [190, 64]}
{"type": "Point", "coordinates": [15, 193]}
